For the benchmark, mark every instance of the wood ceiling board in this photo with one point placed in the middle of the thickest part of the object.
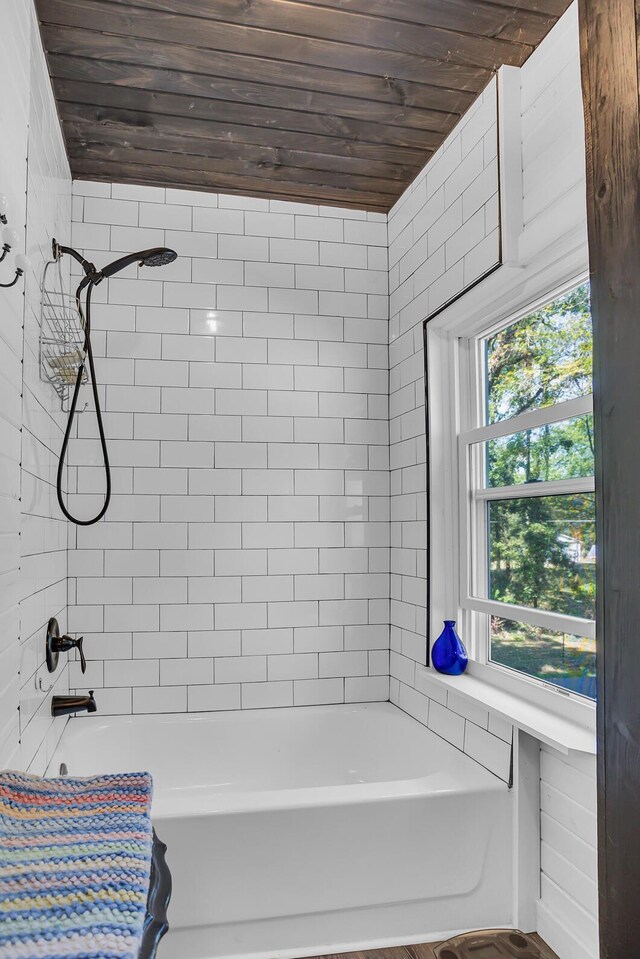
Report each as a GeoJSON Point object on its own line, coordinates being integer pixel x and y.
{"type": "Point", "coordinates": [78, 42]}
{"type": "Point", "coordinates": [314, 179]}
{"type": "Point", "coordinates": [302, 24]}
{"type": "Point", "coordinates": [147, 101]}
{"type": "Point", "coordinates": [328, 101]}
{"type": "Point", "coordinates": [509, 22]}
{"type": "Point", "coordinates": [128, 122]}
{"type": "Point", "coordinates": [555, 7]}
{"type": "Point", "coordinates": [176, 177]}
{"type": "Point", "coordinates": [127, 20]}
{"type": "Point", "coordinates": [80, 135]}
{"type": "Point", "coordinates": [256, 94]}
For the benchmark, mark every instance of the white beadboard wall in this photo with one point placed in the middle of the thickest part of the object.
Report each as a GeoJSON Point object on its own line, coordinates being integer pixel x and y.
{"type": "Point", "coordinates": [568, 906]}
{"type": "Point", "coordinates": [244, 561]}
{"type": "Point", "coordinates": [553, 203]}
{"type": "Point", "coordinates": [33, 536]}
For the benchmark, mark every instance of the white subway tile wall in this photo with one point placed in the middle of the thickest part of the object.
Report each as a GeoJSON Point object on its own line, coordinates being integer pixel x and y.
{"type": "Point", "coordinates": [443, 235]}
{"type": "Point", "coordinates": [244, 561]}
{"type": "Point", "coordinates": [425, 228]}
{"type": "Point", "coordinates": [32, 532]}
{"type": "Point", "coordinates": [14, 78]}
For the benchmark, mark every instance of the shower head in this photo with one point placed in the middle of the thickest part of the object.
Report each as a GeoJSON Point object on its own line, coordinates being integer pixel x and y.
{"type": "Point", "coordinates": [158, 256]}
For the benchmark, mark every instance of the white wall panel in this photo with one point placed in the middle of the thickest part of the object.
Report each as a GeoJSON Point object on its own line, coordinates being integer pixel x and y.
{"type": "Point", "coordinates": [35, 176]}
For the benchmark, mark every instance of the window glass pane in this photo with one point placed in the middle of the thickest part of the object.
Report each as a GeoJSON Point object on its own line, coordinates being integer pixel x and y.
{"type": "Point", "coordinates": [558, 658]}
{"type": "Point", "coordinates": [542, 553]}
{"type": "Point", "coordinates": [555, 452]}
{"type": "Point", "coordinates": [542, 359]}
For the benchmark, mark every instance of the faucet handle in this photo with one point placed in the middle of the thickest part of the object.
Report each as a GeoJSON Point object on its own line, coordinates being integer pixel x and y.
{"type": "Point", "coordinates": [62, 644]}
{"type": "Point", "coordinates": [83, 662]}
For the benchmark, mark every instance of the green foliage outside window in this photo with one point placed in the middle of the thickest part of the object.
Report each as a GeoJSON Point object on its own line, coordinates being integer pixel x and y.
{"type": "Point", "coordinates": [542, 359]}
{"type": "Point", "coordinates": [542, 549]}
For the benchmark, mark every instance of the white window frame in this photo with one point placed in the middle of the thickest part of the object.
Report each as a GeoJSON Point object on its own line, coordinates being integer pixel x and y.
{"type": "Point", "coordinates": [474, 494]}
{"type": "Point", "coordinates": [511, 292]}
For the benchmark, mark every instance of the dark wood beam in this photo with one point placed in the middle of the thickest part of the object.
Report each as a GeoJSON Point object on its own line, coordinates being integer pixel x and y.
{"type": "Point", "coordinates": [609, 44]}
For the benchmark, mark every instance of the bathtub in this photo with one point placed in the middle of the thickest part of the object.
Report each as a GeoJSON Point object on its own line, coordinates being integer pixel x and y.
{"type": "Point", "coordinates": [310, 830]}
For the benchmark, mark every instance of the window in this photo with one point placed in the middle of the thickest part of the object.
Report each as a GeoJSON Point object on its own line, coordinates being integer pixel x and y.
{"type": "Point", "coordinates": [525, 504]}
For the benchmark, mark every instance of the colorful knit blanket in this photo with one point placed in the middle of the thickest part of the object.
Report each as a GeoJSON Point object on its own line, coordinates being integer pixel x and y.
{"type": "Point", "coordinates": [75, 857]}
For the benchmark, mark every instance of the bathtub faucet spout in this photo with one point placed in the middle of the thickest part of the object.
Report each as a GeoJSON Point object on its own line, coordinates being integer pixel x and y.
{"type": "Point", "coordinates": [64, 705]}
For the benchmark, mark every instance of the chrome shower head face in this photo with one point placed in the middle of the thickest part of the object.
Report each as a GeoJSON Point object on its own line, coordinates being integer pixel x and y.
{"type": "Point", "coordinates": [159, 257]}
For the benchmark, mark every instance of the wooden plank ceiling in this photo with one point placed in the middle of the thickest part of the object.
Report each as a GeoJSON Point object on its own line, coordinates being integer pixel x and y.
{"type": "Point", "coordinates": [339, 102]}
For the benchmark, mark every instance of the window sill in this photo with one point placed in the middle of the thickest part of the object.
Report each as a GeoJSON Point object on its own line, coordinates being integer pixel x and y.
{"type": "Point", "coordinates": [539, 721]}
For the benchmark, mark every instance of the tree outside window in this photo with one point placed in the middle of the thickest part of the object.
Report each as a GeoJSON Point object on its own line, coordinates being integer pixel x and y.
{"type": "Point", "coordinates": [540, 540]}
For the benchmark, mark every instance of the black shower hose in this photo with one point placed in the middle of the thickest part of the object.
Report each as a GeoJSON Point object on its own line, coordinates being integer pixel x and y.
{"type": "Point", "coordinates": [72, 412]}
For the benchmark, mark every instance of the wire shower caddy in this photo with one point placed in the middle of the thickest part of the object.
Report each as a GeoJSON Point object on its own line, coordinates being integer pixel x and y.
{"type": "Point", "coordinates": [61, 334]}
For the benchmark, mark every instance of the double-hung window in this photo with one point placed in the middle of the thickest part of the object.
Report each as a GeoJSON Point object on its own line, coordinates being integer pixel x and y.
{"type": "Point", "coordinates": [521, 491]}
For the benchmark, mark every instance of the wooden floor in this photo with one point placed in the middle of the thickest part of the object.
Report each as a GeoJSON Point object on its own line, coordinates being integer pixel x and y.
{"type": "Point", "coordinates": [421, 951]}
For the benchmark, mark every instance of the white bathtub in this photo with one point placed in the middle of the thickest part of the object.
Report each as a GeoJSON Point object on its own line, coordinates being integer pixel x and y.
{"type": "Point", "coordinates": [311, 830]}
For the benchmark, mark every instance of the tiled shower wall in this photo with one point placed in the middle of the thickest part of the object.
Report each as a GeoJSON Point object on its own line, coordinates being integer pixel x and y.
{"type": "Point", "coordinates": [34, 174]}
{"type": "Point", "coordinates": [443, 236]}
{"type": "Point", "coordinates": [244, 561]}
{"type": "Point", "coordinates": [428, 265]}
{"type": "Point", "coordinates": [14, 107]}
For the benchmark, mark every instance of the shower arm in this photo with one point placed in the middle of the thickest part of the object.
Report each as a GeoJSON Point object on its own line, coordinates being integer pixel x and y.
{"type": "Point", "coordinates": [93, 275]}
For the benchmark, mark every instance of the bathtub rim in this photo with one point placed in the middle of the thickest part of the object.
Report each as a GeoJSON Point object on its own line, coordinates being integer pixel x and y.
{"type": "Point", "coordinates": [467, 776]}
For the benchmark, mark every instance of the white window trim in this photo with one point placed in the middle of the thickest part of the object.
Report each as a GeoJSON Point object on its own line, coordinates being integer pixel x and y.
{"type": "Point", "coordinates": [507, 293]}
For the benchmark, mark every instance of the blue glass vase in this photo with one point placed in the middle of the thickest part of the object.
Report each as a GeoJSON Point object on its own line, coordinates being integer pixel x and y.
{"type": "Point", "coordinates": [448, 654]}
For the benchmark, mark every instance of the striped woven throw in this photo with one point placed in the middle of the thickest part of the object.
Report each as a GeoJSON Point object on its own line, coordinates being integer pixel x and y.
{"type": "Point", "coordinates": [75, 858]}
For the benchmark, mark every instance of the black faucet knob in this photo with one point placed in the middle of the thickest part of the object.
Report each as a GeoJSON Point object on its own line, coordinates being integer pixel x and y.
{"type": "Point", "coordinates": [62, 644]}
{"type": "Point", "coordinates": [83, 662]}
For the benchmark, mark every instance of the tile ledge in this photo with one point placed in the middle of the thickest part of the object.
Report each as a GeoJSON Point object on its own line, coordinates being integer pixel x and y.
{"type": "Point", "coordinates": [549, 727]}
